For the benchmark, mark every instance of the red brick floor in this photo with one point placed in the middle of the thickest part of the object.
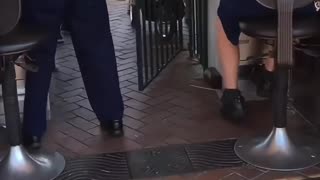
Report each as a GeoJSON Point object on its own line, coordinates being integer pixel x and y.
{"type": "Point", "coordinates": [169, 111]}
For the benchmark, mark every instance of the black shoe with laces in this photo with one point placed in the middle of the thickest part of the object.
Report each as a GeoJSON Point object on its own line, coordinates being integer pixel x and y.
{"type": "Point", "coordinates": [233, 105]}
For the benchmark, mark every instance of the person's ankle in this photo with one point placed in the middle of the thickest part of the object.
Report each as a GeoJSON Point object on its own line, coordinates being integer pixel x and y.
{"type": "Point", "coordinates": [267, 75]}
{"type": "Point", "coordinates": [269, 68]}
{"type": "Point", "coordinates": [230, 94]}
{"type": "Point", "coordinates": [231, 90]}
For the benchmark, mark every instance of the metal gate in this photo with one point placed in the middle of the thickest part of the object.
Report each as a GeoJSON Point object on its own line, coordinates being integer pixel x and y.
{"type": "Point", "coordinates": [199, 31]}
{"type": "Point", "coordinates": [159, 36]}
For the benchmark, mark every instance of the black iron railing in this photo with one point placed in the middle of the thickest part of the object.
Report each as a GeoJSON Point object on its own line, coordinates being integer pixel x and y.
{"type": "Point", "coordinates": [198, 36]}
{"type": "Point", "coordinates": [159, 32]}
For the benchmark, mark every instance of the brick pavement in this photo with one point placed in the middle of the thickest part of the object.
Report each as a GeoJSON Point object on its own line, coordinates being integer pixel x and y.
{"type": "Point", "coordinates": [169, 111]}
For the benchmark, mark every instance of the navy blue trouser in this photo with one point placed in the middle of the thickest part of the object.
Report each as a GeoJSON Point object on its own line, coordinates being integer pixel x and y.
{"type": "Point", "coordinates": [231, 12]}
{"type": "Point", "coordinates": [92, 40]}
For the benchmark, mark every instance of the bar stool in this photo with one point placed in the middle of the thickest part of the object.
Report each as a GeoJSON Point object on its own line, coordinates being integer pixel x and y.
{"type": "Point", "coordinates": [279, 150]}
{"type": "Point", "coordinates": [15, 40]}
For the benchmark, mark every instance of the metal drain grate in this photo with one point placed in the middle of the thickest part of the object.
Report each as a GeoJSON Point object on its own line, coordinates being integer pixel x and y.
{"type": "Point", "coordinates": [100, 167]}
{"type": "Point", "coordinates": [159, 162]}
{"type": "Point", "coordinates": [165, 161]}
{"type": "Point", "coordinates": [213, 155]}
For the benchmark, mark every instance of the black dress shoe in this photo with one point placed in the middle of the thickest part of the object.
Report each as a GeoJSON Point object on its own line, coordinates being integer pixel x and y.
{"type": "Point", "coordinates": [233, 105]}
{"type": "Point", "coordinates": [114, 128]}
{"type": "Point", "coordinates": [31, 142]}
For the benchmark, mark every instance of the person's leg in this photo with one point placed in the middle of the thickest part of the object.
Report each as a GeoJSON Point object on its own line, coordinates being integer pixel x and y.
{"type": "Point", "coordinates": [229, 58]}
{"type": "Point", "coordinates": [233, 105]}
{"type": "Point", "coordinates": [91, 35]}
{"type": "Point", "coordinates": [39, 13]}
{"type": "Point", "coordinates": [230, 12]}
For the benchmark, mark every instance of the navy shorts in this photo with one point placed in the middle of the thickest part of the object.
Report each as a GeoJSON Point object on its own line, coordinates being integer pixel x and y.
{"type": "Point", "coordinates": [231, 12]}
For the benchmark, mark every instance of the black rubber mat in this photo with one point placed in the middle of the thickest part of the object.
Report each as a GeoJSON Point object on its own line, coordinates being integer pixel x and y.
{"type": "Point", "coordinates": [170, 160]}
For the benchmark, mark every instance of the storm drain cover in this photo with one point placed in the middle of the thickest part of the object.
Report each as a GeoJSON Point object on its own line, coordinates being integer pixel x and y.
{"type": "Point", "coordinates": [100, 167]}
{"type": "Point", "coordinates": [159, 162]}
{"type": "Point", "coordinates": [155, 162]}
{"type": "Point", "coordinates": [213, 155]}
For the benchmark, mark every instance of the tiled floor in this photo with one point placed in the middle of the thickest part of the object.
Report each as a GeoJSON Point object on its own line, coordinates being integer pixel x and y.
{"type": "Point", "coordinates": [170, 111]}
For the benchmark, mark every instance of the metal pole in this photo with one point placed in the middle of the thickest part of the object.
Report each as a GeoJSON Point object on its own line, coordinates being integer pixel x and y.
{"type": "Point", "coordinates": [18, 164]}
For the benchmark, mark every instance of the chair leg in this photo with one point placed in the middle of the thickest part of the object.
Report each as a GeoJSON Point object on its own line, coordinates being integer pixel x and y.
{"type": "Point", "coordinates": [279, 151]}
{"type": "Point", "coordinates": [11, 105]}
{"type": "Point", "coordinates": [280, 97]}
{"type": "Point", "coordinates": [18, 164]}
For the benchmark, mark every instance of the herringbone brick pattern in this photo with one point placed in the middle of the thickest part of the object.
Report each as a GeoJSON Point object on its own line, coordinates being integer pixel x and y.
{"type": "Point", "coordinates": [170, 111]}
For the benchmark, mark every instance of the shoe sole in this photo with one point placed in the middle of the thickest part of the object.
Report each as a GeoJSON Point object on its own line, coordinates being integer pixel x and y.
{"type": "Point", "coordinates": [235, 117]}
{"type": "Point", "coordinates": [116, 134]}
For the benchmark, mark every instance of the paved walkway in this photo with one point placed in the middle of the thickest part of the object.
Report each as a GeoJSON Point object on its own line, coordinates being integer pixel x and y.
{"type": "Point", "coordinates": [171, 111]}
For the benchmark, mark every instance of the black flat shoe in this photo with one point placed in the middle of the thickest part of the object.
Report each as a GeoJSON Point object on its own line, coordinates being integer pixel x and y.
{"type": "Point", "coordinates": [114, 128]}
{"type": "Point", "coordinates": [31, 142]}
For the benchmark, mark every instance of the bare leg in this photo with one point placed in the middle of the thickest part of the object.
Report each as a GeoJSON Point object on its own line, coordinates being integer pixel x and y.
{"type": "Point", "coordinates": [229, 58]}
{"type": "Point", "coordinates": [233, 104]}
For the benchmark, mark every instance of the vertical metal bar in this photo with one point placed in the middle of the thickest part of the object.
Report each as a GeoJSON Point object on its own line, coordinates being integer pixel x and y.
{"type": "Point", "coordinates": [176, 36]}
{"type": "Point", "coordinates": [204, 36]}
{"type": "Point", "coordinates": [172, 42]}
{"type": "Point", "coordinates": [180, 34]}
{"type": "Point", "coordinates": [285, 38]}
{"type": "Point", "coordinates": [194, 27]}
{"type": "Point", "coordinates": [284, 60]}
{"type": "Point", "coordinates": [145, 46]}
{"type": "Point", "coordinates": [199, 35]}
{"type": "Point", "coordinates": [189, 25]}
{"type": "Point", "coordinates": [151, 57]}
{"type": "Point", "coordinates": [280, 98]}
{"type": "Point", "coordinates": [156, 44]}
{"type": "Point", "coordinates": [161, 42]}
{"type": "Point", "coordinates": [167, 41]}
{"type": "Point", "coordinates": [191, 36]}
{"type": "Point", "coordinates": [11, 105]}
{"type": "Point", "coordinates": [138, 14]}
